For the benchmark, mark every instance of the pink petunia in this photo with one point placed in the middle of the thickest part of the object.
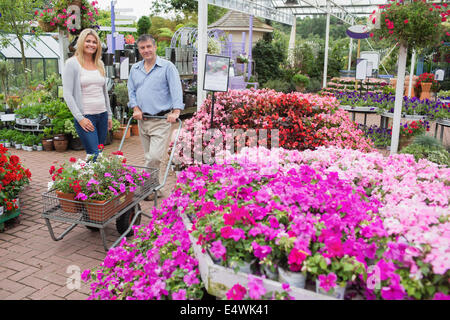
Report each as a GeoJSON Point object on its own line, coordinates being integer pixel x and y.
{"type": "Point", "coordinates": [237, 292]}
{"type": "Point", "coordinates": [326, 282]}
{"type": "Point", "coordinates": [255, 287]}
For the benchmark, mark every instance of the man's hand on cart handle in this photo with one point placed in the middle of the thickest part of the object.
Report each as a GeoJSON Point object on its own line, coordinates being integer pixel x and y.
{"type": "Point", "coordinates": [173, 116]}
{"type": "Point", "coordinates": [137, 113]}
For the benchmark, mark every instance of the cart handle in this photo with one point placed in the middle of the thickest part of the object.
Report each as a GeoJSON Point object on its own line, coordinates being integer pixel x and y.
{"type": "Point", "coordinates": [171, 153]}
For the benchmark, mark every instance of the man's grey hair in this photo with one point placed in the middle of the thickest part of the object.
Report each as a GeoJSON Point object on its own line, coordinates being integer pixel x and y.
{"type": "Point", "coordinates": [146, 37]}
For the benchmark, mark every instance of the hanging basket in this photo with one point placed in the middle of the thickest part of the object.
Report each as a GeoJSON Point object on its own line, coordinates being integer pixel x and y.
{"type": "Point", "coordinates": [76, 3]}
{"type": "Point", "coordinates": [46, 27]}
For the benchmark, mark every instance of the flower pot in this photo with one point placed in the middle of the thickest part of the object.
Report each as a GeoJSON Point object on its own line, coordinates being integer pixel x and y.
{"type": "Point", "coordinates": [295, 279]}
{"type": "Point", "coordinates": [242, 265]}
{"type": "Point", "coordinates": [76, 3]}
{"type": "Point", "coordinates": [119, 133]}
{"type": "Point", "coordinates": [46, 27]}
{"type": "Point", "coordinates": [7, 144]}
{"type": "Point", "coordinates": [39, 148]}
{"type": "Point", "coordinates": [68, 206]}
{"type": "Point", "coordinates": [134, 130]}
{"type": "Point", "coordinates": [102, 210]}
{"type": "Point", "coordinates": [404, 142]}
{"type": "Point", "coordinates": [299, 88]}
{"type": "Point", "coordinates": [271, 274]}
{"type": "Point", "coordinates": [426, 86]}
{"type": "Point", "coordinates": [47, 144]}
{"type": "Point", "coordinates": [61, 145]}
{"type": "Point", "coordinates": [18, 146]}
{"type": "Point", "coordinates": [337, 292]}
{"type": "Point", "coordinates": [75, 144]}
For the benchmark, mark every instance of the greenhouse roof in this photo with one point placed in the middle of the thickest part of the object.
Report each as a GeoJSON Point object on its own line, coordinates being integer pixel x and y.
{"type": "Point", "coordinates": [36, 47]}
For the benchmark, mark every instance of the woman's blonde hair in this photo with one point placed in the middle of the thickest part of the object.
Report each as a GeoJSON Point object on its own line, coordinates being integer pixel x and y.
{"type": "Point", "coordinates": [80, 49]}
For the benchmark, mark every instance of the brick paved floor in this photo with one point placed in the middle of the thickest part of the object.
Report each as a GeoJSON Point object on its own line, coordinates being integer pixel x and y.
{"type": "Point", "coordinates": [32, 265]}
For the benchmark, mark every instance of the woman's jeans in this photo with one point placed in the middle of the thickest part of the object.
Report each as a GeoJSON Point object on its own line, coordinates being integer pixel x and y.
{"type": "Point", "coordinates": [91, 139]}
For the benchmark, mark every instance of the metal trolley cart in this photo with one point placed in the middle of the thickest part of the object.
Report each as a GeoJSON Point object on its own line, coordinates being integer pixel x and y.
{"type": "Point", "coordinates": [124, 209]}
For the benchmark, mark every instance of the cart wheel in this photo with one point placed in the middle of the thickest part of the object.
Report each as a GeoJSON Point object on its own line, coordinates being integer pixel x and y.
{"type": "Point", "coordinates": [92, 228]}
{"type": "Point", "coordinates": [124, 221]}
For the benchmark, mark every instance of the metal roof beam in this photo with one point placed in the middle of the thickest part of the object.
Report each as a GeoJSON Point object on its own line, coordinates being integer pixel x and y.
{"type": "Point", "coordinates": [257, 9]}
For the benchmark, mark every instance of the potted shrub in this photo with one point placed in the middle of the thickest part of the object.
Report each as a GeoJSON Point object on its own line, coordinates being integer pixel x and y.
{"type": "Point", "coordinates": [18, 139]}
{"type": "Point", "coordinates": [28, 141]}
{"type": "Point", "coordinates": [301, 82]}
{"type": "Point", "coordinates": [47, 140]}
{"type": "Point", "coordinates": [121, 93]}
{"type": "Point", "coordinates": [74, 138]}
{"type": "Point", "coordinates": [18, 177]}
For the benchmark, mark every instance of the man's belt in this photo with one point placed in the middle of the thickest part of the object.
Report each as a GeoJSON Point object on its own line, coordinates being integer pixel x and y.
{"type": "Point", "coordinates": [159, 114]}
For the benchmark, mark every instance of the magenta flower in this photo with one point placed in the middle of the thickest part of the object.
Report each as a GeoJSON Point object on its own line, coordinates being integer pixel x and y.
{"type": "Point", "coordinates": [179, 295]}
{"type": "Point", "coordinates": [255, 287]}
{"type": "Point", "coordinates": [261, 251]}
{"type": "Point", "coordinates": [217, 249]}
{"type": "Point", "coordinates": [237, 292]}
{"type": "Point", "coordinates": [327, 282]}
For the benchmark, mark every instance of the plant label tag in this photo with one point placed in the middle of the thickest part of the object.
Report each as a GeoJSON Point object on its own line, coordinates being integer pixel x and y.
{"type": "Point", "coordinates": [1, 210]}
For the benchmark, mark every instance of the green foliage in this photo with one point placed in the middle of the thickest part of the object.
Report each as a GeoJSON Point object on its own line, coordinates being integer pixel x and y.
{"type": "Point", "coordinates": [411, 23]}
{"type": "Point", "coordinates": [300, 80]}
{"type": "Point", "coordinates": [433, 153]}
{"type": "Point", "coordinates": [278, 85]}
{"type": "Point", "coordinates": [268, 56]}
{"type": "Point", "coordinates": [121, 92]}
{"type": "Point", "coordinates": [143, 25]}
{"type": "Point", "coordinates": [69, 128]}
{"type": "Point", "coordinates": [427, 141]}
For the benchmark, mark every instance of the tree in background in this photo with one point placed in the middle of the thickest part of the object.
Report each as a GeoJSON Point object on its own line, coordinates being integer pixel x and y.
{"type": "Point", "coordinates": [143, 25]}
{"type": "Point", "coordinates": [16, 18]}
{"type": "Point", "coordinates": [269, 56]}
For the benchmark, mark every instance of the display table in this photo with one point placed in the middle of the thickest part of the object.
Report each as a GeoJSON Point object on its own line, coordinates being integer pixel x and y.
{"type": "Point", "coordinates": [354, 110]}
{"type": "Point", "coordinates": [443, 123]}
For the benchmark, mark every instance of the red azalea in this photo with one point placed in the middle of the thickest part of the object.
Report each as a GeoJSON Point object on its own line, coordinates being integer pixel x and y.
{"type": "Point", "coordinates": [72, 159]}
{"type": "Point", "coordinates": [101, 147]}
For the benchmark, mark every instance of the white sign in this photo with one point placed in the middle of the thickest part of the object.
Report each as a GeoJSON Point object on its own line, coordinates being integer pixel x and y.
{"type": "Point", "coordinates": [119, 17]}
{"type": "Point", "coordinates": [8, 117]}
{"type": "Point", "coordinates": [216, 73]}
{"type": "Point", "coordinates": [124, 68]}
{"type": "Point", "coordinates": [120, 29]}
{"type": "Point", "coordinates": [361, 69]}
{"type": "Point", "coordinates": [372, 56]}
{"type": "Point", "coordinates": [439, 75]}
{"type": "Point", "coordinates": [123, 9]}
{"type": "Point", "coordinates": [1, 210]}
{"type": "Point", "coordinates": [123, 22]}
{"type": "Point", "coordinates": [369, 69]}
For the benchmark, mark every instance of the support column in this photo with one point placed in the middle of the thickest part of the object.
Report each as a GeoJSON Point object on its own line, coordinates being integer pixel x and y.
{"type": "Point", "coordinates": [63, 42]}
{"type": "Point", "coordinates": [250, 40]}
{"type": "Point", "coordinates": [327, 36]}
{"type": "Point", "coordinates": [411, 73]}
{"type": "Point", "coordinates": [291, 49]}
{"type": "Point", "coordinates": [202, 46]}
{"type": "Point", "coordinates": [350, 47]}
{"type": "Point", "coordinates": [398, 97]}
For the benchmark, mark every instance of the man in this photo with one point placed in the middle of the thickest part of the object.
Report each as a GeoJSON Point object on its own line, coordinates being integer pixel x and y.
{"type": "Point", "coordinates": [154, 88]}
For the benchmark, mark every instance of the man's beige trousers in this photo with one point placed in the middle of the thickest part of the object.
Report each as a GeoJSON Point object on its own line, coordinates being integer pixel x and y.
{"type": "Point", "coordinates": [155, 138]}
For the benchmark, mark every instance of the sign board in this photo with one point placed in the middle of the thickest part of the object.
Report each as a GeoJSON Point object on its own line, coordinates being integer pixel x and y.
{"type": "Point", "coordinates": [8, 117]}
{"type": "Point", "coordinates": [124, 68]}
{"type": "Point", "coordinates": [439, 75]}
{"type": "Point", "coordinates": [120, 41]}
{"type": "Point", "coordinates": [119, 29]}
{"type": "Point", "coordinates": [361, 69]}
{"type": "Point", "coordinates": [358, 31]}
{"type": "Point", "coordinates": [372, 56]}
{"type": "Point", "coordinates": [369, 68]}
{"type": "Point", "coordinates": [216, 73]}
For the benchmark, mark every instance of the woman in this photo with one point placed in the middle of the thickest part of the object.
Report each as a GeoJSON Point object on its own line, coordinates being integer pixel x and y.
{"type": "Point", "coordinates": [85, 92]}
